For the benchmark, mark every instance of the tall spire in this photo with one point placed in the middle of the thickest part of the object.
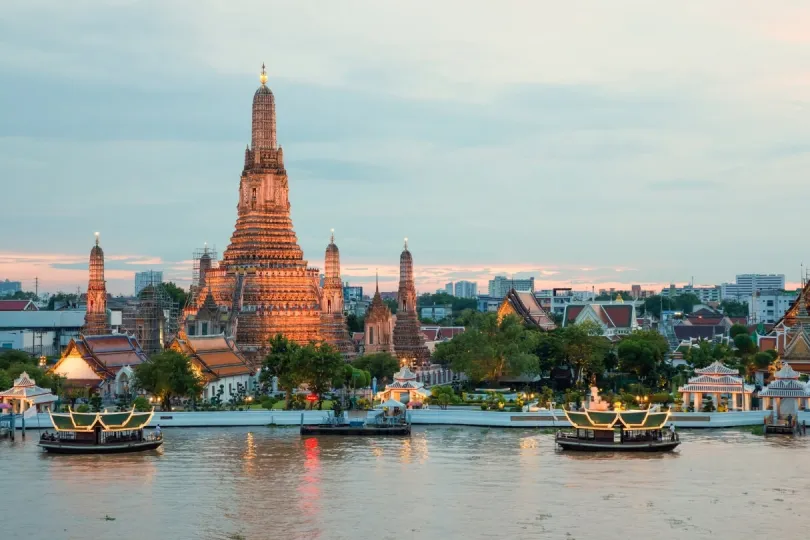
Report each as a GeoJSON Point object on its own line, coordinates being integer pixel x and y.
{"type": "Point", "coordinates": [377, 280]}
{"type": "Point", "coordinates": [95, 319]}
{"type": "Point", "coordinates": [264, 117]}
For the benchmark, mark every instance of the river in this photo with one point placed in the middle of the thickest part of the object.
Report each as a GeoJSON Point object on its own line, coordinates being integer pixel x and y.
{"type": "Point", "coordinates": [441, 483]}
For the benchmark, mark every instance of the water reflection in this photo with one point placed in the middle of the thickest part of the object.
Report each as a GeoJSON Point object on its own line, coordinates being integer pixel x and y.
{"type": "Point", "coordinates": [448, 483]}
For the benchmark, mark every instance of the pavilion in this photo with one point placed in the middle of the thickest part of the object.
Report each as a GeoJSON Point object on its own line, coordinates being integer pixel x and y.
{"type": "Point", "coordinates": [26, 394]}
{"type": "Point", "coordinates": [718, 380]}
{"type": "Point", "coordinates": [786, 394]}
{"type": "Point", "coordinates": [405, 388]}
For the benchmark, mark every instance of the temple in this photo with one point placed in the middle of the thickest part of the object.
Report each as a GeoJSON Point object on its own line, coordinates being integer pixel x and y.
{"type": "Point", "coordinates": [102, 365]}
{"type": "Point", "coordinates": [219, 362]}
{"type": "Point", "coordinates": [263, 281]}
{"type": "Point", "coordinates": [785, 395]}
{"type": "Point", "coordinates": [405, 389]}
{"type": "Point", "coordinates": [95, 319]}
{"type": "Point", "coordinates": [718, 381]}
{"type": "Point", "coordinates": [333, 322]}
{"type": "Point", "coordinates": [409, 342]}
{"type": "Point", "coordinates": [379, 325]}
{"type": "Point", "coordinates": [25, 394]}
{"type": "Point", "coordinates": [789, 336]}
{"type": "Point", "coordinates": [525, 305]}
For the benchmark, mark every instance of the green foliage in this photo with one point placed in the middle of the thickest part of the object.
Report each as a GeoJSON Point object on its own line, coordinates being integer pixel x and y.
{"type": "Point", "coordinates": [177, 294]}
{"type": "Point", "coordinates": [642, 353]}
{"type": "Point", "coordinates": [355, 323]}
{"type": "Point", "coordinates": [443, 396]}
{"type": "Point", "coordinates": [83, 408]}
{"type": "Point", "coordinates": [95, 403]}
{"type": "Point", "coordinates": [61, 297]}
{"type": "Point", "coordinates": [738, 330]}
{"type": "Point", "coordinates": [684, 303]}
{"type": "Point", "coordinates": [268, 402]}
{"type": "Point", "coordinates": [392, 305]}
{"type": "Point", "coordinates": [459, 304]}
{"type": "Point", "coordinates": [282, 362]}
{"type": "Point", "coordinates": [705, 353]}
{"type": "Point", "coordinates": [661, 397]}
{"type": "Point", "coordinates": [7, 358]}
{"type": "Point", "coordinates": [168, 374]}
{"type": "Point", "coordinates": [21, 295]}
{"type": "Point", "coordinates": [489, 350]}
{"type": "Point", "coordinates": [298, 402]}
{"type": "Point", "coordinates": [584, 349]}
{"type": "Point", "coordinates": [744, 344]}
{"type": "Point", "coordinates": [319, 364]}
{"type": "Point", "coordinates": [380, 365]}
{"type": "Point", "coordinates": [734, 308]}
{"type": "Point", "coordinates": [762, 360]}
{"type": "Point", "coordinates": [363, 404]}
{"type": "Point", "coordinates": [142, 404]}
{"type": "Point", "coordinates": [708, 403]}
{"type": "Point", "coordinates": [5, 380]}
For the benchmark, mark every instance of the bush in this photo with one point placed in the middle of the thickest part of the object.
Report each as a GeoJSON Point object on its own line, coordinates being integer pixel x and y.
{"type": "Point", "coordinates": [268, 402]}
{"type": "Point", "coordinates": [83, 408]}
{"type": "Point", "coordinates": [142, 404]}
{"type": "Point", "coordinates": [661, 397]}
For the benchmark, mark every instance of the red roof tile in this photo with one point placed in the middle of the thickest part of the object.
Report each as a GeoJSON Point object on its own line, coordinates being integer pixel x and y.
{"type": "Point", "coordinates": [17, 305]}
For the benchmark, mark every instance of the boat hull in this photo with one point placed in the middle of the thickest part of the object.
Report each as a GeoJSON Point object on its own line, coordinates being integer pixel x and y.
{"type": "Point", "coordinates": [597, 446]}
{"type": "Point", "coordinates": [356, 430]}
{"type": "Point", "coordinates": [56, 447]}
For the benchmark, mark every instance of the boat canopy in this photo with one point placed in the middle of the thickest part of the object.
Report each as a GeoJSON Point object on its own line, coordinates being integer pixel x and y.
{"type": "Point", "coordinates": [109, 421]}
{"type": "Point", "coordinates": [608, 420]}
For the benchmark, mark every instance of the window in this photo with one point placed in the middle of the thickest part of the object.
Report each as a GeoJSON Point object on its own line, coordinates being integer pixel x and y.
{"type": "Point", "coordinates": [6, 345]}
{"type": "Point", "coordinates": [371, 335]}
{"type": "Point", "coordinates": [769, 303]}
{"type": "Point", "coordinates": [230, 389]}
{"type": "Point", "coordinates": [205, 329]}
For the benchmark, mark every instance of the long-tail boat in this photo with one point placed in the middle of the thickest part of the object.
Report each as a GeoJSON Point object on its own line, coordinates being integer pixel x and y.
{"type": "Point", "coordinates": [618, 431]}
{"type": "Point", "coordinates": [100, 433]}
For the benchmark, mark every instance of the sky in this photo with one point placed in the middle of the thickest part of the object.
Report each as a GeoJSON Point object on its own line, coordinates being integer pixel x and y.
{"type": "Point", "coordinates": [585, 143]}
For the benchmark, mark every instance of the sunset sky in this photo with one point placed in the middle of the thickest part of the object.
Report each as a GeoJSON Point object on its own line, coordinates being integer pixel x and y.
{"type": "Point", "coordinates": [585, 143]}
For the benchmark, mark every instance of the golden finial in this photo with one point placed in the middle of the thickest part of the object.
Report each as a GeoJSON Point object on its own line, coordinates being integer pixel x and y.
{"type": "Point", "coordinates": [97, 235]}
{"type": "Point", "coordinates": [263, 76]}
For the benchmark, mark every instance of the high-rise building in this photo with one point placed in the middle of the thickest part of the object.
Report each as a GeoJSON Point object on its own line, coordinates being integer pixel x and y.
{"type": "Point", "coordinates": [746, 284]}
{"type": "Point", "coordinates": [768, 306]}
{"type": "Point", "coordinates": [466, 289]}
{"type": "Point", "coordinates": [448, 288]}
{"type": "Point", "coordinates": [263, 281]}
{"type": "Point", "coordinates": [7, 288]}
{"type": "Point", "coordinates": [95, 319]}
{"type": "Point", "coordinates": [500, 286]}
{"type": "Point", "coordinates": [144, 279]}
{"type": "Point", "coordinates": [409, 342]}
{"type": "Point", "coordinates": [352, 293]}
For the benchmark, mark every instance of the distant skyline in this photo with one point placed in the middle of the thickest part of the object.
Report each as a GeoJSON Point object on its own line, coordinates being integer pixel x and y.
{"type": "Point", "coordinates": [600, 145]}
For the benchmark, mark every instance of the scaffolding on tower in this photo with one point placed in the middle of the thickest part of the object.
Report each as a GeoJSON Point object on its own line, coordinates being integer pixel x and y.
{"type": "Point", "coordinates": [153, 318]}
{"type": "Point", "coordinates": [204, 259]}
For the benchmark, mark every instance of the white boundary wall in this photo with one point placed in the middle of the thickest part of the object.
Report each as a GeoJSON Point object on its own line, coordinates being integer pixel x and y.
{"type": "Point", "coordinates": [450, 417]}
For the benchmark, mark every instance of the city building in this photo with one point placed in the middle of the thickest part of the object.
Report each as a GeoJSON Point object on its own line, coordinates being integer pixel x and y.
{"type": "Point", "coordinates": [44, 332]}
{"type": "Point", "coordinates": [524, 305]}
{"type": "Point", "coordinates": [436, 312]}
{"type": "Point", "coordinates": [409, 342]}
{"type": "Point", "coordinates": [466, 289]}
{"type": "Point", "coordinates": [217, 359]}
{"type": "Point", "coordinates": [555, 300]}
{"type": "Point", "coordinates": [378, 335]}
{"type": "Point", "coordinates": [144, 279]}
{"type": "Point", "coordinates": [500, 286]}
{"type": "Point", "coordinates": [333, 322]}
{"type": "Point", "coordinates": [746, 284]}
{"type": "Point", "coordinates": [488, 304]}
{"type": "Point", "coordinates": [769, 305]}
{"type": "Point", "coordinates": [7, 288]}
{"type": "Point", "coordinates": [96, 322]}
{"type": "Point", "coordinates": [263, 279]}
{"type": "Point", "coordinates": [706, 295]}
{"type": "Point", "coordinates": [352, 293]}
{"type": "Point", "coordinates": [101, 364]}
{"type": "Point", "coordinates": [448, 288]}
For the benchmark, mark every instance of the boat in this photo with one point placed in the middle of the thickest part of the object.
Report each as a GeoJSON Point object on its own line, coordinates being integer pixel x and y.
{"type": "Point", "coordinates": [618, 431]}
{"type": "Point", "coordinates": [100, 433]}
{"type": "Point", "coordinates": [390, 421]}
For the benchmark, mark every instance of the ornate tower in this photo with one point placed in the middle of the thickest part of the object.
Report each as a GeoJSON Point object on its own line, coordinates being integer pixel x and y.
{"type": "Point", "coordinates": [95, 319]}
{"type": "Point", "coordinates": [409, 342]}
{"type": "Point", "coordinates": [263, 280]}
{"type": "Point", "coordinates": [333, 324]}
{"type": "Point", "coordinates": [379, 326]}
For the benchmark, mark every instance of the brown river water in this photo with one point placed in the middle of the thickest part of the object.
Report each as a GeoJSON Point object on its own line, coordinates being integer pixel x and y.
{"type": "Point", "coordinates": [442, 483]}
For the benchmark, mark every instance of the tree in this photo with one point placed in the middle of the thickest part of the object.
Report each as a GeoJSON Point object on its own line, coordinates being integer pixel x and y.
{"type": "Point", "coordinates": [443, 396]}
{"type": "Point", "coordinates": [142, 404]}
{"type": "Point", "coordinates": [642, 353]}
{"type": "Point", "coordinates": [738, 330]}
{"type": "Point", "coordinates": [14, 357]}
{"type": "Point", "coordinates": [734, 308]}
{"type": "Point", "coordinates": [320, 364]}
{"type": "Point", "coordinates": [5, 380]}
{"type": "Point", "coordinates": [355, 323]}
{"type": "Point", "coordinates": [744, 345]}
{"type": "Point", "coordinates": [381, 365]}
{"type": "Point", "coordinates": [392, 305]}
{"type": "Point", "coordinates": [61, 297]}
{"type": "Point", "coordinates": [166, 375]}
{"type": "Point", "coordinates": [22, 295]}
{"type": "Point", "coordinates": [282, 362]}
{"type": "Point", "coordinates": [584, 349]}
{"type": "Point", "coordinates": [490, 349]}
{"type": "Point", "coordinates": [177, 294]}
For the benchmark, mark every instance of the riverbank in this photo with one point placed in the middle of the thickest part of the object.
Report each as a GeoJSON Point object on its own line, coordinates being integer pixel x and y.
{"type": "Point", "coordinates": [450, 417]}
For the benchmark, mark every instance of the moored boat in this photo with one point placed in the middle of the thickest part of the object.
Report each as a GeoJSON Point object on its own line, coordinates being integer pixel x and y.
{"type": "Point", "coordinates": [391, 421]}
{"type": "Point", "coordinates": [100, 433]}
{"type": "Point", "coordinates": [618, 431]}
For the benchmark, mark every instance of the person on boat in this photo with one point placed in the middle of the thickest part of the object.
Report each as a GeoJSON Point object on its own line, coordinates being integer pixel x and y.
{"type": "Point", "coordinates": [157, 431]}
{"type": "Point", "coordinates": [672, 431]}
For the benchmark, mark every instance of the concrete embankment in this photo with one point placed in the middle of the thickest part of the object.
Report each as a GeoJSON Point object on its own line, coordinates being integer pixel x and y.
{"type": "Point", "coordinates": [450, 417]}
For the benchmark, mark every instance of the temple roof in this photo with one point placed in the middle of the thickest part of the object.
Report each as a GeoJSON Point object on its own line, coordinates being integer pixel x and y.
{"type": "Point", "coordinates": [609, 315]}
{"type": "Point", "coordinates": [105, 355]}
{"type": "Point", "coordinates": [216, 355]}
{"type": "Point", "coordinates": [717, 368]}
{"type": "Point", "coordinates": [109, 421]}
{"type": "Point", "coordinates": [25, 388]}
{"type": "Point", "coordinates": [525, 305]}
{"type": "Point", "coordinates": [786, 384]}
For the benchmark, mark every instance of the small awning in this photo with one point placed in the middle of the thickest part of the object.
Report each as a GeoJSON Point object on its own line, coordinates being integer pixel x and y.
{"type": "Point", "coordinates": [391, 403]}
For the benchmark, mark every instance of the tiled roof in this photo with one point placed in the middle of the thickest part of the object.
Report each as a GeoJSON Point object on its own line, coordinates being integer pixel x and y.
{"type": "Point", "coordinates": [620, 316]}
{"type": "Point", "coordinates": [216, 355]}
{"type": "Point", "coordinates": [358, 337]}
{"type": "Point", "coordinates": [17, 305]}
{"type": "Point", "coordinates": [717, 368]}
{"type": "Point", "coordinates": [115, 351]}
{"type": "Point", "coordinates": [572, 312]}
{"type": "Point", "coordinates": [684, 331]}
{"type": "Point", "coordinates": [525, 305]}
